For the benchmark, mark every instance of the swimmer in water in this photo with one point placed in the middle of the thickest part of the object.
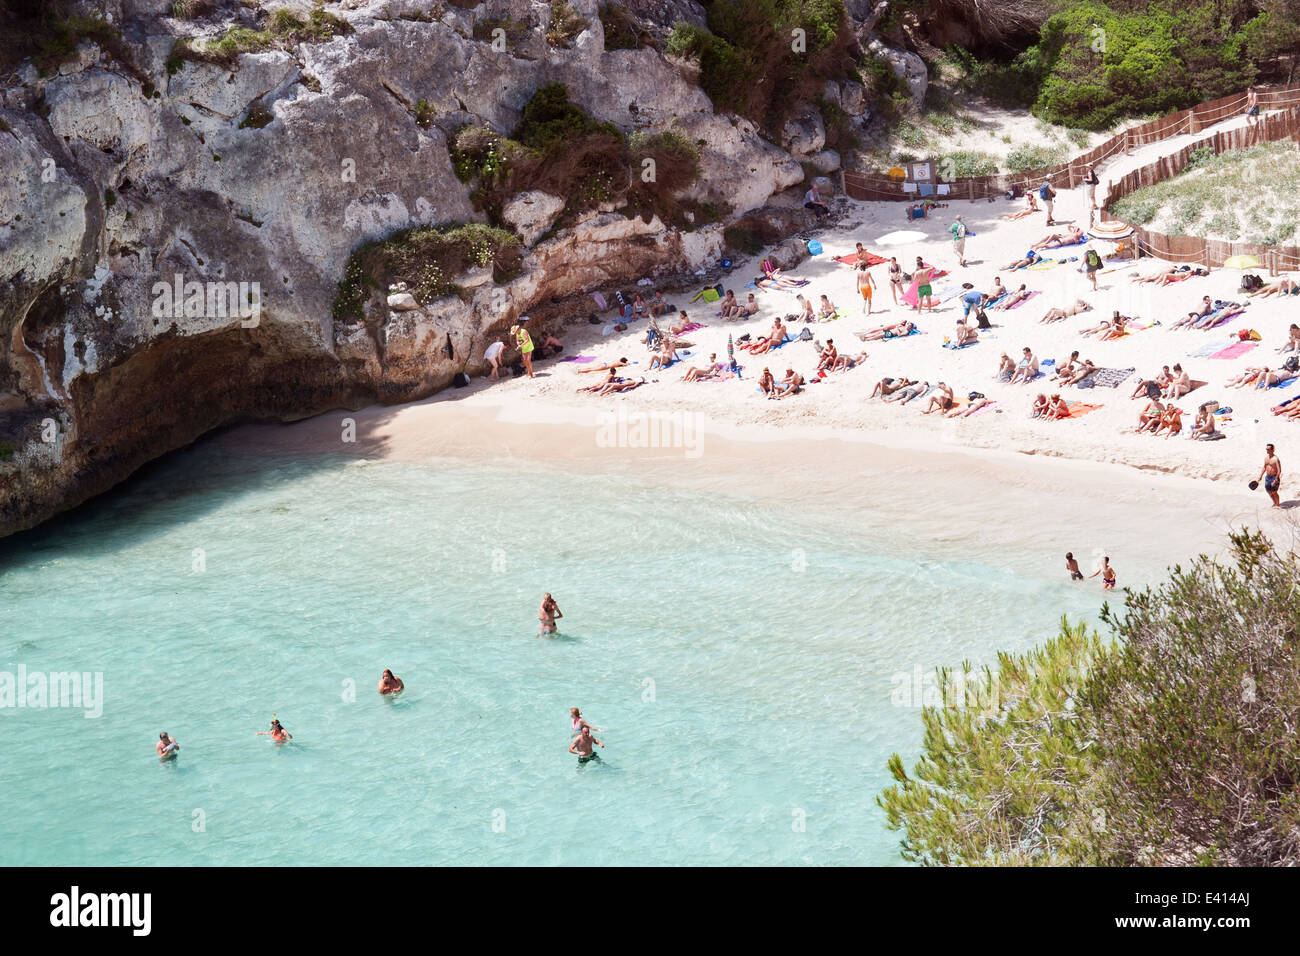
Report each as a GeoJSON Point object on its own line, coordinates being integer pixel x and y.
{"type": "Point", "coordinates": [582, 745]}
{"type": "Point", "coordinates": [548, 614]}
{"type": "Point", "coordinates": [578, 722]}
{"type": "Point", "coordinates": [388, 684]}
{"type": "Point", "coordinates": [277, 733]}
{"type": "Point", "coordinates": [166, 747]}
{"type": "Point", "coordinates": [1072, 566]}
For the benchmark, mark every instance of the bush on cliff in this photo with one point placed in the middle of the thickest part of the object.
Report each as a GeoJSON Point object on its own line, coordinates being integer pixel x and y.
{"type": "Point", "coordinates": [429, 259]}
{"type": "Point", "coordinates": [763, 58]}
{"type": "Point", "coordinates": [284, 29]}
{"type": "Point", "coordinates": [1174, 744]}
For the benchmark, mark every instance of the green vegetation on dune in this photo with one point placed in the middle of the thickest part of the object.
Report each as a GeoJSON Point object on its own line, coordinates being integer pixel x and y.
{"type": "Point", "coordinates": [1172, 744]}
{"type": "Point", "coordinates": [1243, 195]}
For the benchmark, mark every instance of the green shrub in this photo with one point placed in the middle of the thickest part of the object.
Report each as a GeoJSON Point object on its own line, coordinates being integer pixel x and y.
{"type": "Point", "coordinates": [969, 162]}
{"type": "Point", "coordinates": [1171, 744]}
{"type": "Point", "coordinates": [621, 29]}
{"type": "Point", "coordinates": [566, 24]}
{"type": "Point", "coordinates": [742, 240]}
{"type": "Point", "coordinates": [428, 259]}
{"type": "Point", "coordinates": [424, 113]}
{"type": "Point", "coordinates": [1033, 156]}
{"type": "Point", "coordinates": [284, 30]}
{"type": "Point", "coordinates": [512, 29]}
{"type": "Point", "coordinates": [674, 167]}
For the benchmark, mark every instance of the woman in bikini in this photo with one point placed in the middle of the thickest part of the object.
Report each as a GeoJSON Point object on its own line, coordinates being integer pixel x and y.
{"type": "Point", "coordinates": [547, 615]}
{"type": "Point", "coordinates": [1015, 298]}
{"type": "Point", "coordinates": [901, 330]}
{"type": "Point", "coordinates": [577, 722]}
{"type": "Point", "coordinates": [895, 279]}
{"type": "Point", "coordinates": [865, 286]}
{"type": "Point", "coordinates": [766, 382]}
{"type": "Point", "coordinates": [276, 733]}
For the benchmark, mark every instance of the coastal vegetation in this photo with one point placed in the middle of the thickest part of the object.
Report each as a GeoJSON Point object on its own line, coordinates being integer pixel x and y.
{"type": "Point", "coordinates": [429, 259]}
{"type": "Point", "coordinates": [557, 148]}
{"type": "Point", "coordinates": [1241, 195]}
{"type": "Point", "coordinates": [1170, 742]}
{"type": "Point", "coordinates": [284, 29]}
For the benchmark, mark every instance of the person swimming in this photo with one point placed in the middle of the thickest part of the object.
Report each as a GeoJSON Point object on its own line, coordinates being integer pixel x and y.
{"type": "Point", "coordinates": [582, 745]}
{"type": "Point", "coordinates": [277, 732]}
{"type": "Point", "coordinates": [578, 722]}
{"type": "Point", "coordinates": [548, 614]}
{"type": "Point", "coordinates": [390, 685]}
{"type": "Point", "coordinates": [167, 747]}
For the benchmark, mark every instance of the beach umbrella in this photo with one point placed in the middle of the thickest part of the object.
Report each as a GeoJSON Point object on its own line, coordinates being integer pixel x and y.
{"type": "Point", "coordinates": [1241, 262]}
{"type": "Point", "coordinates": [731, 350]}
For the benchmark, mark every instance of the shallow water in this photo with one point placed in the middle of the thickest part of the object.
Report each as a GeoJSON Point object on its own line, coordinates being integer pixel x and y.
{"type": "Point", "coordinates": [744, 662]}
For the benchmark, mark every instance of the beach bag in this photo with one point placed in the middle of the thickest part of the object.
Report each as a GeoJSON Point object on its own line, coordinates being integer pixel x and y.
{"type": "Point", "coordinates": [1292, 364]}
{"type": "Point", "coordinates": [711, 295]}
{"type": "Point", "coordinates": [461, 380]}
{"type": "Point", "coordinates": [806, 335]}
{"type": "Point", "coordinates": [814, 248]}
{"type": "Point", "coordinates": [975, 395]}
{"type": "Point", "coordinates": [1153, 390]}
{"type": "Point", "coordinates": [982, 320]}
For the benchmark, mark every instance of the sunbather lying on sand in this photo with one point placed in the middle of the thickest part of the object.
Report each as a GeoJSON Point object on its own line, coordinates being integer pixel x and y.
{"type": "Point", "coordinates": [1280, 287]}
{"type": "Point", "coordinates": [888, 386]}
{"type": "Point", "coordinates": [1079, 373]}
{"type": "Point", "coordinates": [909, 392]}
{"type": "Point", "coordinates": [1288, 409]}
{"type": "Point", "coordinates": [601, 368]}
{"type": "Point", "coordinates": [1262, 377]}
{"type": "Point", "coordinates": [1056, 314]}
{"type": "Point", "coordinates": [697, 373]}
{"type": "Point", "coordinates": [845, 362]}
{"type": "Point", "coordinates": [900, 330]}
{"type": "Point", "coordinates": [970, 409]}
{"type": "Point", "coordinates": [790, 384]}
{"type": "Point", "coordinates": [1172, 274]}
{"type": "Point", "coordinates": [775, 278]}
{"type": "Point", "coordinates": [620, 385]}
{"type": "Point", "coordinates": [1029, 210]}
{"type": "Point", "coordinates": [1161, 382]}
{"type": "Point", "coordinates": [1030, 258]}
{"type": "Point", "coordinates": [1071, 235]}
{"type": "Point", "coordinates": [1014, 298]}
{"type": "Point", "coordinates": [941, 399]}
{"type": "Point", "coordinates": [1116, 321]}
{"type": "Point", "coordinates": [1191, 318]}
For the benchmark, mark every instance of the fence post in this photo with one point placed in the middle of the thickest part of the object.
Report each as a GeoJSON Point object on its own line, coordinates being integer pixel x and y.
{"type": "Point", "coordinates": [1127, 143]}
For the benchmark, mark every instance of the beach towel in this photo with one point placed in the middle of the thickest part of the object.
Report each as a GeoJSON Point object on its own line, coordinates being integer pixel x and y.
{"type": "Point", "coordinates": [1234, 350]}
{"type": "Point", "coordinates": [1284, 383]}
{"type": "Point", "coordinates": [954, 345]}
{"type": "Point", "coordinates": [1044, 264]}
{"type": "Point", "coordinates": [915, 331]}
{"type": "Point", "coordinates": [1205, 351]}
{"type": "Point", "coordinates": [982, 409]}
{"type": "Point", "coordinates": [1106, 378]}
{"type": "Point", "coordinates": [1079, 409]}
{"type": "Point", "coordinates": [910, 296]}
{"type": "Point", "coordinates": [925, 189]}
{"type": "Point", "coordinates": [578, 358]}
{"type": "Point", "coordinates": [691, 327]}
{"type": "Point", "coordinates": [1222, 317]}
{"type": "Point", "coordinates": [1017, 305]}
{"type": "Point", "coordinates": [852, 259]}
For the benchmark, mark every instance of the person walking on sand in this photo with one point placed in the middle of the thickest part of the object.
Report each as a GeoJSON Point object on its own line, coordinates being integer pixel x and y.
{"type": "Point", "coordinates": [1271, 474]}
{"type": "Point", "coordinates": [582, 745]}
{"type": "Point", "coordinates": [1107, 575]}
{"type": "Point", "coordinates": [1048, 195]}
{"type": "Point", "coordinates": [865, 286]}
{"type": "Point", "coordinates": [525, 343]}
{"type": "Point", "coordinates": [547, 615]}
{"type": "Point", "coordinates": [1252, 107]}
{"type": "Point", "coordinates": [1091, 264]}
{"type": "Point", "coordinates": [1072, 566]}
{"type": "Point", "coordinates": [958, 230]}
{"type": "Point", "coordinates": [1090, 182]}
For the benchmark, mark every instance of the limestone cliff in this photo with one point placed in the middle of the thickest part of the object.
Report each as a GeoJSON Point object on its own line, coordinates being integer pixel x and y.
{"type": "Point", "coordinates": [123, 169]}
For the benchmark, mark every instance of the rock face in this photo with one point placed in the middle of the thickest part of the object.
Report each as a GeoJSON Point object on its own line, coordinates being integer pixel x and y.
{"type": "Point", "coordinates": [172, 236]}
{"type": "Point", "coordinates": [907, 66]}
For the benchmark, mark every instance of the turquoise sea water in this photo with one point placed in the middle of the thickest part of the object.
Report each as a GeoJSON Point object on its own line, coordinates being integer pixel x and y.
{"type": "Point", "coordinates": [742, 658]}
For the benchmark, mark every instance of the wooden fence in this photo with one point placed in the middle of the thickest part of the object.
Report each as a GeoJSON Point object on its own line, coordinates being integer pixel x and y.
{"type": "Point", "coordinates": [874, 187]}
{"type": "Point", "coordinates": [1283, 123]}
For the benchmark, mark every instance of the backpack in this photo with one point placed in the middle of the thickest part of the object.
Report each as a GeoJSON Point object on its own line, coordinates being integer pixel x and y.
{"type": "Point", "coordinates": [1153, 390]}
{"type": "Point", "coordinates": [806, 335]}
{"type": "Point", "coordinates": [1292, 364]}
{"type": "Point", "coordinates": [1092, 258]}
{"type": "Point", "coordinates": [461, 380]}
{"type": "Point", "coordinates": [1046, 192]}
